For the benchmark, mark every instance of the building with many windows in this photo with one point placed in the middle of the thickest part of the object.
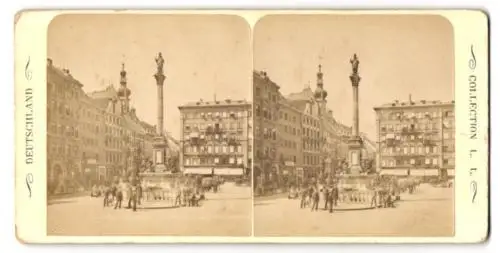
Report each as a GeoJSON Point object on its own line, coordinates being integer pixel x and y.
{"type": "Point", "coordinates": [266, 101]}
{"type": "Point", "coordinates": [94, 136]}
{"type": "Point", "coordinates": [296, 134]}
{"type": "Point", "coordinates": [64, 114]}
{"type": "Point", "coordinates": [216, 137]}
{"type": "Point", "coordinates": [310, 131]}
{"type": "Point", "coordinates": [289, 137]}
{"type": "Point", "coordinates": [416, 138]}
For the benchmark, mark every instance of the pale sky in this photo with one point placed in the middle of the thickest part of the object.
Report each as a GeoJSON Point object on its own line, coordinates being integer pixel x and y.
{"type": "Point", "coordinates": [204, 55]}
{"type": "Point", "coordinates": [398, 55]}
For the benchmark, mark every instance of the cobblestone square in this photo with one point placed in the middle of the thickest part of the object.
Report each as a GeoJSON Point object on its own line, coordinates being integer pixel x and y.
{"type": "Point", "coordinates": [428, 212]}
{"type": "Point", "coordinates": [226, 213]}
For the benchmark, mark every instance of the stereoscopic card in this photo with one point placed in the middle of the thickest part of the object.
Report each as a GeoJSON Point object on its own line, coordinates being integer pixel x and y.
{"type": "Point", "coordinates": [252, 126]}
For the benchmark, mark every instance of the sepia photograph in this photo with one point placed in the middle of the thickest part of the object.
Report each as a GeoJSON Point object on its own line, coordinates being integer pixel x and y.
{"type": "Point", "coordinates": [251, 126]}
{"type": "Point", "coordinates": [354, 126]}
{"type": "Point", "coordinates": [149, 125]}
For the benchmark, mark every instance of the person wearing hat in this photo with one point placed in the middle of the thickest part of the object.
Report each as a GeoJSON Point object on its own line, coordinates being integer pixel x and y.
{"type": "Point", "coordinates": [120, 186]}
{"type": "Point", "coordinates": [315, 199]}
{"type": "Point", "coordinates": [330, 198]}
{"type": "Point", "coordinates": [303, 197]}
{"type": "Point", "coordinates": [133, 190]}
{"type": "Point", "coordinates": [335, 194]}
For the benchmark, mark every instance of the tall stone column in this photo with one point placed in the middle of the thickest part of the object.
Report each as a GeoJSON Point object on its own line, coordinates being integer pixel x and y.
{"type": "Point", "coordinates": [160, 142]}
{"type": "Point", "coordinates": [355, 119]}
{"type": "Point", "coordinates": [160, 79]}
{"type": "Point", "coordinates": [355, 142]}
{"type": "Point", "coordinates": [320, 94]}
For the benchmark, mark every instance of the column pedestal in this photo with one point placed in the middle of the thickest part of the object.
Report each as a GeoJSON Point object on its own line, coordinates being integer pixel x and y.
{"type": "Point", "coordinates": [160, 154]}
{"type": "Point", "coordinates": [355, 145]}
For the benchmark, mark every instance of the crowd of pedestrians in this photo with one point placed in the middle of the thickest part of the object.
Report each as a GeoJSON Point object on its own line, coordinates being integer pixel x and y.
{"type": "Point", "coordinates": [380, 192]}
{"type": "Point", "coordinates": [131, 192]}
{"type": "Point", "coordinates": [315, 196]}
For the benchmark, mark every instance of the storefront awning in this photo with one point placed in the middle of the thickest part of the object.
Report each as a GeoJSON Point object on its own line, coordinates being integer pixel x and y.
{"type": "Point", "coordinates": [426, 172]}
{"type": "Point", "coordinates": [229, 171]}
{"type": "Point", "coordinates": [395, 172]}
{"type": "Point", "coordinates": [413, 172]}
{"type": "Point", "coordinates": [201, 171]}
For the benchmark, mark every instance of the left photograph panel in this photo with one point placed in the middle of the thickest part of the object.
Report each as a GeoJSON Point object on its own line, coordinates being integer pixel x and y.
{"type": "Point", "coordinates": [149, 125]}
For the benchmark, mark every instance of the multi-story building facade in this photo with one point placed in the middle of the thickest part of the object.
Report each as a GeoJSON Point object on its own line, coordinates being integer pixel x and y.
{"type": "Point", "coordinates": [416, 138]}
{"type": "Point", "coordinates": [92, 136]}
{"type": "Point", "coordinates": [303, 117]}
{"type": "Point", "coordinates": [124, 138]}
{"type": "Point", "coordinates": [64, 140]}
{"type": "Point", "coordinates": [333, 139]}
{"type": "Point", "coordinates": [266, 106]}
{"type": "Point", "coordinates": [289, 137]}
{"type": "Point", "coordinates": [310, 131]}
{"type": "Point", "coordinates": [216, 137]}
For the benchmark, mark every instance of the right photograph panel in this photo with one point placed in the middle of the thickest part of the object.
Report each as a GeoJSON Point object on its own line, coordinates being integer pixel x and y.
{"type": "Point", "coordinates": [354, 126]}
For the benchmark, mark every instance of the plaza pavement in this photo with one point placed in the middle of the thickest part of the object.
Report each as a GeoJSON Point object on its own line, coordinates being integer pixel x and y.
{"type": "Point", "coordinates": [226, 213]}
{"type": "Point", "coordinates": [428, 212]}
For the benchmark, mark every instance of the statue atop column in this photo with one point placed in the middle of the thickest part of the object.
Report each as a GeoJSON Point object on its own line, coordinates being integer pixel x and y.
{"type": "Point", "coordinates": [355, 64]}
{"type": "Point", "coordinates": [159, 64]}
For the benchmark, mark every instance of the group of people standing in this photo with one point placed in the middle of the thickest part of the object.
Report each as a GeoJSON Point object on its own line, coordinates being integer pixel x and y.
{"type": "Point", "coordinates": [115, 192]}
{"type": "Point", "coordinates": [315, 195]}
{"type": "Point", "coordinates": [180, 192]}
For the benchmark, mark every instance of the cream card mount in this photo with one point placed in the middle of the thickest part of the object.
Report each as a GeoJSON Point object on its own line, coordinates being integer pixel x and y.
{"type": "Point", "coordinates": [252, 126]}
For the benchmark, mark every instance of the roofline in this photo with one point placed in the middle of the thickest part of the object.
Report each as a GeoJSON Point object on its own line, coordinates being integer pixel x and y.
{"type": "Point", "coordinates": [68, 77]}
{"type": "Point", "coordinates": [286, 104]}
{"type": "Point", "coordinates": [256, 73]}
{"type": "Point", "coordinates": [214, 106]}
{"type": "Point", "coordinates": [399, 106]}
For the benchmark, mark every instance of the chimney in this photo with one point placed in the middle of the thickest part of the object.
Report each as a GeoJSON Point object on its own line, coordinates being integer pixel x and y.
{"type": "Point", "coordinates": [409, 98]}
{"type": "Point", "coordinates": [49, 62]}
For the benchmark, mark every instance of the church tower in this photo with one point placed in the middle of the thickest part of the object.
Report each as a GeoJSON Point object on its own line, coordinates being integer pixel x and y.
{"type": "Point", "coordinates": [124, 92]}
{"type": "Point", "coordinates": [320, 93]}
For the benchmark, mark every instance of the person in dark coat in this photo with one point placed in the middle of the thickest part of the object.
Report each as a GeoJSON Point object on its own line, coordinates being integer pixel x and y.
{"type": "Point", "coordinates": [315, 200]}
{"type": "Point", "coordinates": [311, 192]}
{"type": "Point", "coordinates": [330, 198]}
{"type": "Point", "coordinates": [139, 191]}
{"type": "Point", "coordinates": [134, 193]}
{"type": "Point", "coordinates": [108, 195]}
{"type": "Point", "coordinates": [326, 196]}
{"type": "Point", "coordinates": [335, 195]}
{"type": "Point", "coordinates": [119, 195]}
{"type": "Point", "coordinates": [303, 197]}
